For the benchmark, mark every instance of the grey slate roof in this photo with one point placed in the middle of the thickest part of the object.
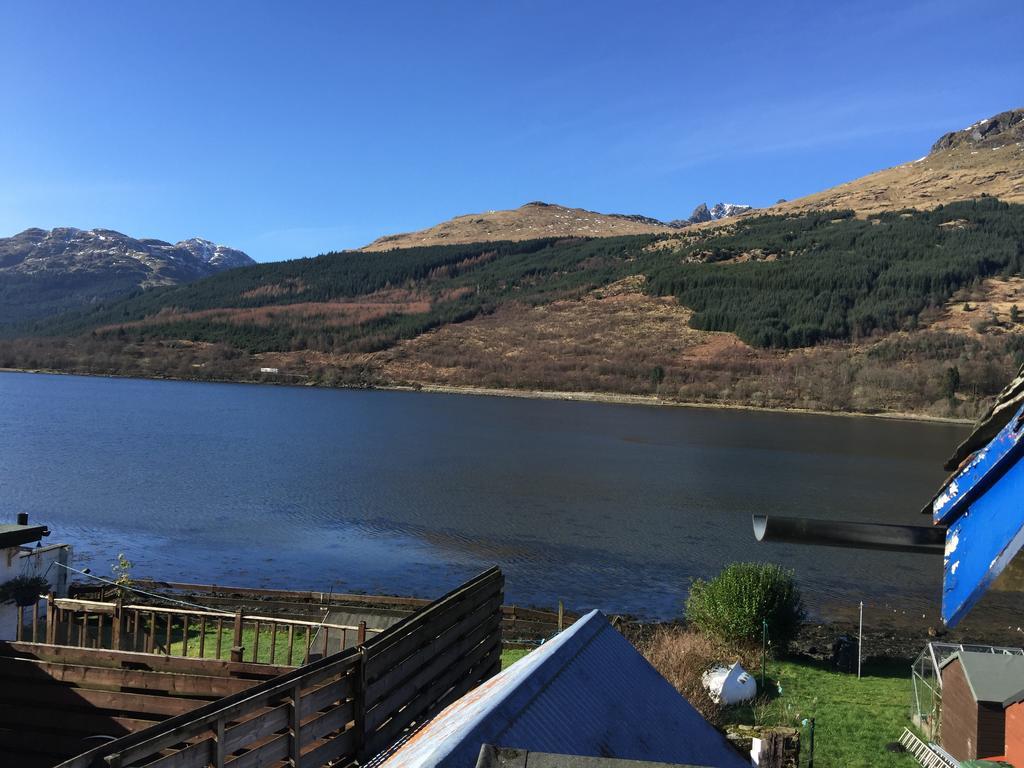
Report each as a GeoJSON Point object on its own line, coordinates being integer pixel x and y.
{"type": "Point", "coordinates": [993, 677]}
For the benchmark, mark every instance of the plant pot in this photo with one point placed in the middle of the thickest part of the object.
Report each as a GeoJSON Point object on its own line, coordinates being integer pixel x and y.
{"type": "Point", "coordinates": [26, 597]}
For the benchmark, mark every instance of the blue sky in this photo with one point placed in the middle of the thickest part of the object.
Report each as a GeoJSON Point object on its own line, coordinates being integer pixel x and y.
{"type": "Point", "coordinates": [289, 129]}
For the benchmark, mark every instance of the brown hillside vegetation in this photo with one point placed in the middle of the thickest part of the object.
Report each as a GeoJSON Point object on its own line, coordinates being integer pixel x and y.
{"type": "Point", "coordinates": [984, 158]}
{"type": "Point", "coordinates": [527, 222]}
{"type": "Point", "coordinates": [613, 340]}
{"type": "Point", "coordinates": [620, 340]}
{"type": "Point", "coordinates": [987, 309]}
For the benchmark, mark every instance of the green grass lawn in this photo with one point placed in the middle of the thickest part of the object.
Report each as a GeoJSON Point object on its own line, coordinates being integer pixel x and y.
{"type": "Point", "coordinates": [262, 652]}
{"type": "Point", "coordinates": [512, 655]}
{"type": "Point", "coordinates": [854, 719]}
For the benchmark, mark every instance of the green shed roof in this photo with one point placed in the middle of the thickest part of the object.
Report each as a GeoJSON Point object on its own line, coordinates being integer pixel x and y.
{"type": "Point", "coordinates": [993, 677]}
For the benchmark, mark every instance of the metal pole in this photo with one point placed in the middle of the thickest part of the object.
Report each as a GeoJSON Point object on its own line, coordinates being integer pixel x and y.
{"type": "Point", "coordinates": [810, 759]}
{"type": "Point", "coordinates": [764, 643]}
{"type": "Point", "coordinates": [860, 637]}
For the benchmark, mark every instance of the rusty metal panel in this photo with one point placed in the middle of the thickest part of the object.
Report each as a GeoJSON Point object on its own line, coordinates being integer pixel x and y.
{"type": "Point", "coordinates": [587, 692]}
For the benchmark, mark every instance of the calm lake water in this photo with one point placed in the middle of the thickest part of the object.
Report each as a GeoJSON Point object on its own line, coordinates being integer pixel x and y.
{"type": "Point", "coordinates": [607, 506]}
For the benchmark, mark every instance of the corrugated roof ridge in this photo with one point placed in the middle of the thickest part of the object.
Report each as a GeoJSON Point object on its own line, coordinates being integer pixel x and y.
{"type": "Point", "coordinates": [561, 657]}
{"type": "Point", "coordinates": [502, 688]}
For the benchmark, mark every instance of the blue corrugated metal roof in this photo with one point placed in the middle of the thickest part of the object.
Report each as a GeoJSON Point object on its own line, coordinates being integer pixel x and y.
{"type": "Point", "coordinates": [586, 692]}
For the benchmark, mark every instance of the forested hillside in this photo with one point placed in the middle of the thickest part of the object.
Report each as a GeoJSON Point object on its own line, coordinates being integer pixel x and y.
{"type": "Point", "coordinates": [775, 281]}
{"type": "Point", "coordinates": [359, 301]}
{"type": "Point", "coordinates": [829, 275]}
{"type": "Point", "coordinates": [811, 287]}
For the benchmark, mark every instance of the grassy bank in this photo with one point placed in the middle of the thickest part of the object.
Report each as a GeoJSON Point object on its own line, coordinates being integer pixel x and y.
{"type": "Point", "coordinates": [854, 719]}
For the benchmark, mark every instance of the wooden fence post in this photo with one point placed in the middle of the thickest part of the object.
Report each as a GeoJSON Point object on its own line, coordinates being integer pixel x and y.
{"type": "Point", "coordinates": [221, 754]}
{"type": "Point", "coordinates": [359, 705]}
{"type": "Point", "coordinates": [561, 616]}
{"type": "Point", "coordinates": [117, 626]}
{"type": "Point", "coordinates": [21, 624]}
{"type": "Point", "coordinates": [236, 643]}
{"type": "Point", "coordinates": [295, 725]}
{"type": "Point", "coordinates": [51, 619]}
{"type": "Point", "coordinates": [361, 634]}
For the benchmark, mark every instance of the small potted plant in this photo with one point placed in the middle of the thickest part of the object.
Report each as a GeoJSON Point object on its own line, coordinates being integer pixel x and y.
{"type": "Point", "coordinates": [23, 590]}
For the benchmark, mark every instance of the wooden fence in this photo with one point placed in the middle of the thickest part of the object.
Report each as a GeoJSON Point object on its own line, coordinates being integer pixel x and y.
{"type": "Point", "coordinates": [185, 632]}
{"type": "Point", "coordinates": [345, 707]}
{"type": "Point", "coordinates": [57, 702]}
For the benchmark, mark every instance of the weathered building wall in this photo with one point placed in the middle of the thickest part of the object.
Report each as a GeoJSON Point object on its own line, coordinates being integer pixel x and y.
{"type": "Point", "coordinates": [959, 713]}
{"type": "Point", "coordinates": [1014, 740]}
{"type": "Point", "coordinates": [31, 561]}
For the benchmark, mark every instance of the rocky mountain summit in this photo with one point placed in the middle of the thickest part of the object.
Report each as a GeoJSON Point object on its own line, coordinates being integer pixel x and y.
{"type": "Point", "coordinates": [45, 271]}
{"type": "Point", "coordinates": [990, 133]}
{"type": "Point", "coordinates": [718, 211]}
{"type": "Point", "coordinates": [66, 249]}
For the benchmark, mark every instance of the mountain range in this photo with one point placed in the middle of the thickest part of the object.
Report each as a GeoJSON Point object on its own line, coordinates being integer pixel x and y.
{"type": "Point", "coordinates": [43, 272]}
{"type": "Point", "coordinates": [900, 291]}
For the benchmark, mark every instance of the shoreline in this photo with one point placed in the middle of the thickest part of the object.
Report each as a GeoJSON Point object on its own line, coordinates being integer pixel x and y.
{"type": "Point", "coordinates": [655, 401]}
{"type": "Point", "coordinates": [610, 398]}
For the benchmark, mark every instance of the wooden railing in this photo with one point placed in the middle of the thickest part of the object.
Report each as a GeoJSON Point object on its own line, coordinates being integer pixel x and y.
{"type": "Point", "coordinates": [518, 625]}
{"type": "Point", "coordinates": [188, 632]}
{"type": "Point", "coordinates": [34, 631]}
{"type": "Point", "coordinates": [345, 707]}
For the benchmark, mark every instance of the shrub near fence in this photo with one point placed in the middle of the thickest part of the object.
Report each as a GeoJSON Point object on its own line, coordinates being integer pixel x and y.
{"type": "Point", "coordinates": [743, 598]}
{"type": "Point", "coordinates": [344, 707]}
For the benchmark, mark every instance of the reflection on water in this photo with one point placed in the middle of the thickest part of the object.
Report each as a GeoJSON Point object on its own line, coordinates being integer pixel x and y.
{"type": "Point", "coordinates": [608, 506]}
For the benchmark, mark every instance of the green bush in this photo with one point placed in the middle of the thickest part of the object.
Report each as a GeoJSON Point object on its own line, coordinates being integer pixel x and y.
{"type": "Point", "coordinates": [733, 605]}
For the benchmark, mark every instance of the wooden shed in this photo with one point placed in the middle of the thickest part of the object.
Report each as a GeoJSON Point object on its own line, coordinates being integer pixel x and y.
{"type": "Point", "coordinates": [974, 688]}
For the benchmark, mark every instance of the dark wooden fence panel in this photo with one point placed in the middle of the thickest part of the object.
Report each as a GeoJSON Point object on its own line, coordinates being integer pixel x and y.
{"type": "Point", "coordinates": [57, 701]}
{"type": "Point", "coordinates": [344, 707]}
{"type": "Point", "coordinates": [411, 669]}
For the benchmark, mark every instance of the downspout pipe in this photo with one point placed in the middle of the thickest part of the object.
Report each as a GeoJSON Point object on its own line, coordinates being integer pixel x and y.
{"type": "Point", "coordinates": [926, 540]}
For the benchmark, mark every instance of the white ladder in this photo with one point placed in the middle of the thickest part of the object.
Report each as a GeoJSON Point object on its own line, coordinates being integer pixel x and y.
{"type": "Point", "coordinates": [925, 754]}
